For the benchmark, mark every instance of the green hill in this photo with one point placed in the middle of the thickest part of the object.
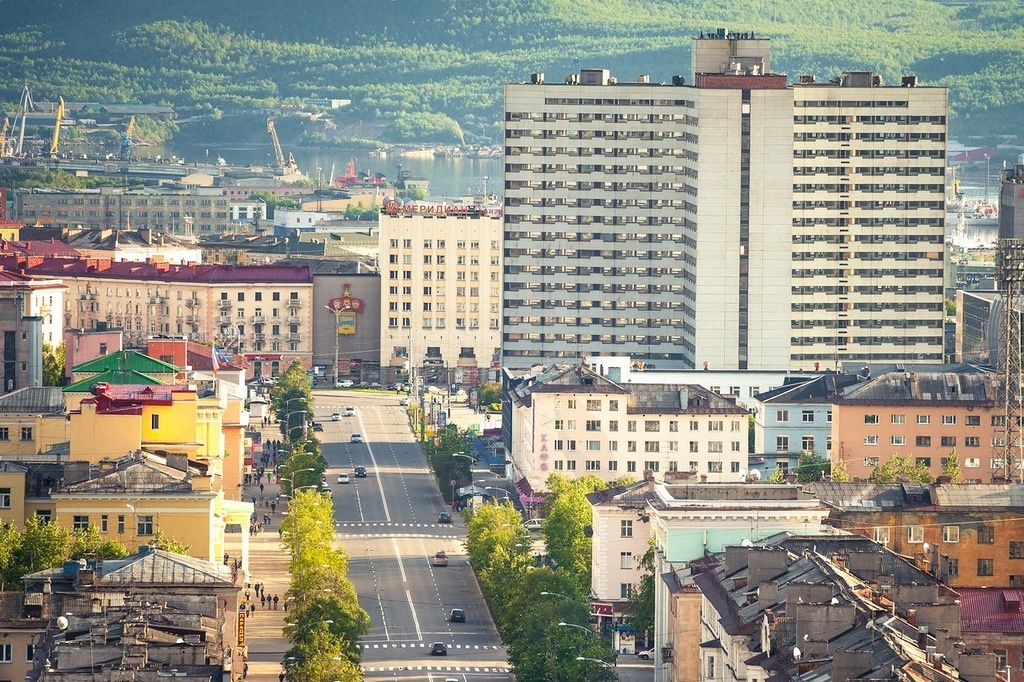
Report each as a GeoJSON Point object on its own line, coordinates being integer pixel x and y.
{"type": "Point", "coordinates": [400, 60]}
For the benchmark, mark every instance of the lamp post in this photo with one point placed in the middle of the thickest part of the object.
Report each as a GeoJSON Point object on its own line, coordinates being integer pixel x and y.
{"type": "Point", "coordinates": [503, 492]}
{"type": "Point", "coordinates": [288, 414]}
{"type": "Point", "coordinates": [291, 489]}
{"type": "Point", "coordinates": [337, 337]}
{"type": "Point", "coordinates": [557, 594]}
{"type": "Point", "coordinates": [605, 664]}
{"type": "Point", "coordinates": [578, 627]}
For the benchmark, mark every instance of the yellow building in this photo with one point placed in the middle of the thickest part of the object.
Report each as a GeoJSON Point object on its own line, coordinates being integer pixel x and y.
{"type": "Point", "coordinates": [12, 493]}
{"type": "Point", "coordinates": [32, 425]}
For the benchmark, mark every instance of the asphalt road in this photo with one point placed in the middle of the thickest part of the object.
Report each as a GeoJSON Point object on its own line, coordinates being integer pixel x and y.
{"type": "Point", "coordinates": [387, 522]}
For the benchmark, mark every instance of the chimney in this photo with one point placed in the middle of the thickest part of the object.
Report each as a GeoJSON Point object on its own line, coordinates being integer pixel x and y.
{"type": "Point", "coordinates": [849, 665]}
{"type": "Point", "coordinates": [768, 592]}
{"type": "Point", "coordinates": [765, 563]}
{"type": "Point", "coordinates": [735, 558]}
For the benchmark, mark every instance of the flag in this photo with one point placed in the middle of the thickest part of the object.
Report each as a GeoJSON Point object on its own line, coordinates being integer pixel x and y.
{"type": "Point", "coordinates": [216, 365]}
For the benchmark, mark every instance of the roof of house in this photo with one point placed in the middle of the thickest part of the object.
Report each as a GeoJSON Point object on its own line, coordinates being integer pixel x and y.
{"type": "Point", "coordinates": [50, 247]}
{"type": "Point", "coordinates": [151, 565]}
{"type": "Point", "coordinates": [33, 400]}
{"type": "Point", "coordinates": [140, 473]}
{"type": "Point", "coordinates": [821, 389]}
{"type": "Point", "coordinates": [991, 609]}
{"type": "Point", "coordinates": [212, 273]}
{"type": "Point", "coordinates": [857, 496]}
{"type": "Point", "coordinates": [130, 360]}
{"type": "Point", "coordinates": [924, 388]}
{"type": "Point", "coordinates": [114, 377]}
{"type": "Point", "coordinates": [125, 239]}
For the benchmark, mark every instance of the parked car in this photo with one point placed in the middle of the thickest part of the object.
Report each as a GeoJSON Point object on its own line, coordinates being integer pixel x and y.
{"type": "Point", "coordinates": [336, 416]}
{"type": "Point", "coordinates": [457, 616]}
{"type": "Point", "coordinates": [444, 517]}
{"type": "Point", "coordinates": [374, 384]}
{"type": "Point", "coordinates": [533, 524]}
{"type": "Point", "coordinates": [440, 559]}
{"type": "Point", "coordinates": [360, 472]}
{"type": "Point", "coordinates": [439, 649]}
{"type": "Point", "coordinates": [356, 438]}
{"type": "Point", "coordinates": [646, 655]}
{"type": "Point", "coordinates": [317, 426]}
{"type": "Point", "coordinates": [403, 401]}
{"type": "Point", "coordinates": [349, 412]}
{"type": "Point", "coordinates": [347, 383]}
{"type": "Point", "coordinates": [343, 478]}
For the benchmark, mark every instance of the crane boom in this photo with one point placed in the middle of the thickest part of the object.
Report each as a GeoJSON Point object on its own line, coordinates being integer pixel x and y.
{"type": "Point", "coordinates": [277, 144]}
{"type": "Point", "coordinates": [25, 105]}
{"type": "Point", "coordinates": [56, 127]}
{"type": "Point", "coordinates": [127, 140]}
{"type": "Point", "coordinates": [3, 138]}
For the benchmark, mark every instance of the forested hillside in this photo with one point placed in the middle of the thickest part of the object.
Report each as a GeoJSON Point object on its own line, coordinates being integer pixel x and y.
{"type": "Point", "coordinates": [427, 64]}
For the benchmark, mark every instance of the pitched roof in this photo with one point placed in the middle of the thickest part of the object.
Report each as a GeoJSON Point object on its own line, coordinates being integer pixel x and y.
{"type": "Point", "coordinates": [149, 475]}
{"type": "Point", "coordinates": [33, 400]}
{"type": "Point", "coordinates": [991, 609]}
{"type": "Point", "coordinates": [211, 273]}
{"type": "Point", "coordinates": [129, 360]}
{"type": "Point", "coordinates": [113, 377]}
{"type": "Point", "coordinates": [148, 566]}
{"type": "Point", "coordinates": [50, 247]}
{"type": "Point", "coordinates": [919, 388]}
{"type": "Point", "coordinates": [820, 389]}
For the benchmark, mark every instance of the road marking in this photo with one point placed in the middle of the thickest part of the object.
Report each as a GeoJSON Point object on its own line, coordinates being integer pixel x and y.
{"type": "Point", "coordinates": [412, 607]}
{"type": "Point", "coordinates": [398, 555]}
{"type": "Point", "coordinates": [373, 458]}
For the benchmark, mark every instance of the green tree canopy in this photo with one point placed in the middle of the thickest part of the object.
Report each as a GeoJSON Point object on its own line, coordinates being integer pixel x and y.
{"type": "Point", "coordinates": [899, 468]}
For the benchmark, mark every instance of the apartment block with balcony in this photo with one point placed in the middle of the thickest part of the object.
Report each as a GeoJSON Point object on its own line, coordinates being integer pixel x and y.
{"type": "Point", "coordinates": [574, 422]}
{"type": "Point", "coordinates": [441, 274]}
{"type": "Point", "coordinates": [740, 222]}
{"type": "Point", "coordinates": [260, 311]}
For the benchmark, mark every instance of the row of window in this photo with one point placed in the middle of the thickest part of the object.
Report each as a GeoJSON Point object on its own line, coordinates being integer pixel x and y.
{"type": "Point", "coordinates": [926, 441]}
{"type": "Point", "coordinates": [986, 535]}
{"type": "Point", "coordinates": [144, 523]}
{"type": "Point", "coordinates": [650, 425]}
{"type": "Point", "coordinates": [946, 420]}
{"type": "Point", "coordinates": [7, 653]}
{"type": "Point", "coordinates": [5, 433]}
{"type": "Point", "coordinates": [716, 467]}
{"type": "Point", "coordinates": [441, 244]}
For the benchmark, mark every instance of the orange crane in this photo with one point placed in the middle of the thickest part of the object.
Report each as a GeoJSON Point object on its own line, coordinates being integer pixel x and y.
{"type": "Point", "coordinates": [288, 165]}
{"type": "Point", "coordinates": [56, 128]}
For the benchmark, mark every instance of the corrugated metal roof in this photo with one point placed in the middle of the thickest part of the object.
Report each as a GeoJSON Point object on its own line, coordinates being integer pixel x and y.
{"type": "Point", "coordinates": [113, 377]}
{"type": "Point", "coordinates": [33, 400]}
{"type": "Point", "coordinates": [125, 360]}
{"type": "Point", "coordinates": [927, 387]}
{"type": "Point", "coordinates": [991, 609]}
{"type": "Point", "coordinates": [979, 495]}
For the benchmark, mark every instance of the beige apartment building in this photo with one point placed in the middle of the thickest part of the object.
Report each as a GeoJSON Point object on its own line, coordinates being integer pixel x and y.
{"type": "Point", "coordinates": [260, 311]}
{"type": "Point", "coordinates": [440, 289]}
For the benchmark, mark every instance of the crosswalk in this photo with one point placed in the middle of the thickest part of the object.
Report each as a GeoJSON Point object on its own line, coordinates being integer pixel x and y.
{"type": "Point", "coordinates": [425, 645]}
{"type": "Point", "coordinates": [434, 668]}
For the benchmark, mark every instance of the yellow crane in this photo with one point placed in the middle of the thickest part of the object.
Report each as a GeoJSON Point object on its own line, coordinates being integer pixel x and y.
{"type": "Point", "coordinates": [56, 128]}
{"type": "Point", "coordinates": [288, 165]}
{"type": "Point", "coordinates": [3, 138]}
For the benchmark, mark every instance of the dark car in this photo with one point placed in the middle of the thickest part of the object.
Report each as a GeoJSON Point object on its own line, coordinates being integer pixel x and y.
{"type": "Point", "coordinates": [317, 426]}
{"type": "Point", "coordinates": [360, 472]}
{"type": "Point", "coordinates": [439, 649]}
{"type": "Point", "coordinates": [444, 517]}
{"type": "Point", "coordinates": [457, 616]}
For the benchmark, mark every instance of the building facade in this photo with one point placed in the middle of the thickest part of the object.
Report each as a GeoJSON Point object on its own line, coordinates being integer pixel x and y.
{"type": "Point", "coordinates": [261, 311]}
{"type": "Point", "coordinates": [441, 289]}
{"type": "Point", "coordinates": [740, 222]}
{"type": "Point", "coordinates": [29, 317]}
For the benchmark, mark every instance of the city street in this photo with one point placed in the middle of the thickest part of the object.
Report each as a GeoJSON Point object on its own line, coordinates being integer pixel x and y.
{"type": "Point", "coordinates": [387, 522]}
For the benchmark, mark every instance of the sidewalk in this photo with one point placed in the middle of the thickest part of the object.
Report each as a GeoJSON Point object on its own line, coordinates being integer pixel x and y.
{"type": "Point", "coordinates": [268, 564]}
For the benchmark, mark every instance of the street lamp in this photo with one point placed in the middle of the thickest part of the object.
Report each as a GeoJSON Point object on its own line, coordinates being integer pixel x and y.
{"type": "Point", "coordinates": [556, 594]}
{"type": "Point", "coordinates": [605, 664]}
{"type": "Point", "coordinates": [578, 627]}
{"type": "Point", "coordinates": [291, 489]}
{"type": "Point", "coordinates": [337, 337]}
{"type": "Point", "coordinates": [502, 491]}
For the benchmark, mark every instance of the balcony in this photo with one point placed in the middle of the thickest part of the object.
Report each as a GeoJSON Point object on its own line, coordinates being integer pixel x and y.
{"type": "Point", "coordinates": [192, 319]}
{"type": "Point", "coordinates": [225, 319]}
{"type": "Point", "coordinates": [224, 304]}
{"type": "Point", "coordinates": [294, 319]}
{"type": "Point", "coordinates": [295, 337]}
{"type": "Point", "coordinates": [294, 303]}
{"type": "Point", "coordinates": [157, 300]}
{"type": "Point", "coordinates": [259, 337]}
{"type": "Point", "coordinates": [191, 302]}
{"type": "Point", "coordinates": [259, 319]}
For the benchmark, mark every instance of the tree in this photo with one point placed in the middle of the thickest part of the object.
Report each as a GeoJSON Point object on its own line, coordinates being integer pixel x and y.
{"type": "Point", "coordinates": [489, 393]}
{"type": "Point", "coordinates": [811, 466]}
{"type": "Point", "coordinates": [951, 467]}
{"type": "Point", "coordinates": [898, 468]}
{"type": "Point", "coordinates": [570, 513]}
{"type": "Point", "coordinates": [53, 364]}
{"type": "Point", "coordinates": [640, 609]}
{"type": "Point", "coordinates": [777, 476]}
{"type": "Point", "coordinates": [168, 544]}
{"type": "Point", "coordinates": [840, 474]}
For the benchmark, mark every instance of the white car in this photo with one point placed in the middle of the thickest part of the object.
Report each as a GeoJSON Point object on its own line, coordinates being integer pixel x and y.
{"type": "Point", "coordinates": [533, 524]}
{"type": "Point", "coordinates": [349, 412]}
{"type": "Point", "coordinates": [343, 478]}
{"type": "Point", "coordinates": [336, 417]}
{"type": "Point", "coordinates": [356, 438]}
{"type": "Point", "coordinates": [403, 401]}
{"type": "Point", "coordinates": [646, 655]}
{"type": "Point", "coordinates": [347, 383]}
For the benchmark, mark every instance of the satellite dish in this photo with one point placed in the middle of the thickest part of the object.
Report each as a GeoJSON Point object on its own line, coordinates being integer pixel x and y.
{"type": "Point", "coordinates": [754, 475]}
{"type": "Point", "coordinates": [834, 602]}
{"type": "Point", "coordinates": [796, 653]}
{"type": "Point", "coordinates": [746, 543]}
{"type": "Point", "coordinates": [227, 338]}
{"type": "Point", "coordinates": [62, 622]}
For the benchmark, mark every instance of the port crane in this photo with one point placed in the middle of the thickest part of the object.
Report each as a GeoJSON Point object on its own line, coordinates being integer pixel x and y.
{"type": "Point", "coordinates": [127, 141]}
{"type": "Point", "coordinates": [3, 138]}
{"type": "Point", "coordinates": [25, 105]}
{"type": "Point", "coordinates": [288, 165]}
{"type": "Point", "coordinates": [56, 128]}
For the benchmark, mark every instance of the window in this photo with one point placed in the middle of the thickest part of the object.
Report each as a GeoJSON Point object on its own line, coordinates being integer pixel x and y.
{"type": "Point", "coordinates": [898, 440]}
{"type": "Point", "coordinates": [652, 426]}
{"type": "Point", "coordinates": [626, 560]}
{"type": "Point", "coordinates": [915, 534]}
{"type": "Point", "coordinates": [871, 440]}
{"type": "Point", "coordinates": [613, 405]}
{"type": "Point", "coordinates": [593, 465]}
{"type": "Point", "coordinates": [1016, 550]}
{"type": "Point", "coordinates": [986, 535]}
{"type": "Point", "coordinates": [652, 446]}
{"type": "Point", "coordinates": [673, 426]}
{"type": "Point", "coordinates": [972, 420]}
{"type": "Point", "coordinates": [145, 525]}
{"type": "Point", "coordinates": [951, 533]}
{"type": "Point", "coordinates": [593, 425]}
{"type": "Point", "coordinates": [5, 498]}
{"type": "Point", "coordinates": [807, 416]}
{"type": "Point", "coordinates": [103, 523]}
{"type": "Point", "coordinates": [613, 425]}
{"type": "Point", "coordinates": [30, 652]}
{"type": "Point", "coordinates": [631, 466]}
{"type": "Point", "coordinates": [593, 406]}
{"type": "Point", "coordinates": [899, 419]}
{"type": "Point", "coordinates": [625, 590]}
{"type": "Point", "coordinates": [1000, 655]}
{"type": "Point", "coordinates": [631, 425]}
{"type": "Point", "coordinates": [715, 425]}
{"type": "Point", "coordinates": [593, 446]}
{"type": "Point", "coordinates": [714, 467]}
{"type": "Point", "coordinates": [26, 433]}
{"type": "Point", "coordinates": [948, 419]}
{"type": "Point", "coordinates": [630, 446]}
{"type": "Point", "coordinates": [781, 443]}
{"type": "Point", "coordinates": [948, 441]}
{"type": "Point", "coordinates": [882, 535]}
{"type": "Point", "coordinates": [972, 462]}
{"type": "Point", "coordinates": [652, 465]}
{"type": "Point", "coordinates": [79, 522]}
{"type": "Point", "coordinates": [154, 421]}
{"type": "Point", "coordinates": [972, 441]}
{"type": "Point", "coordinates": [986, 568]}
{"type": "Point", "coordinates": [613, 465]}
{"type": "Point", "coordinates": [953, 568]}
{"type": "Point", "coordinates": [782, 416]}
{"type": "Point", "coordinates": [571, 404]}
{"type": "Point", "coordinates": [711, 668]}
{"type": "Point", "coordinates": [923, 441]}
{"type": "Point", "coordinates": [1018, 581]}
{"type": "Point", "coordinates": [870, 461]}
{"type": "Point", "coordinates": [924, 419]}
{"type": "Point", "coordinates": [734, 467]}
{"type": "Point", "coordinates": [871, 419]}
{"type": "Point", "coordinates": [625, 528]}
{"type": "Point", "coordinates": [6, 655]}
{"type": "Point", "coordinates": [120, 524]}
{"type": "Point", "coordinates": [5, 433]}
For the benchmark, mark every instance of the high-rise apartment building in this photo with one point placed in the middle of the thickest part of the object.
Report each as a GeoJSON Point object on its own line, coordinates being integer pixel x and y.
{"type": "Point", "coordinates": [738, 222]}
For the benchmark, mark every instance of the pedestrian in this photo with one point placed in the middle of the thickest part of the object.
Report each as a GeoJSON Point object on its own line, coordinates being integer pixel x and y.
{"type": "Point", "coordinates": [263, 602]}
{"type": "Point", "coordinates": [275, 602]}
{"type": "Point", "coordinates": [286, 606]}
{"type": "Point", "coordinates": [252, 610]}
{"type": "Point", "coordinates": [245, 670]}
{"type": "Point", "coordinates": [247, 595]}
{"type": "Point", "coordinates": [280, 678]}
{"type": "Point", "coordinates": [273, 507]}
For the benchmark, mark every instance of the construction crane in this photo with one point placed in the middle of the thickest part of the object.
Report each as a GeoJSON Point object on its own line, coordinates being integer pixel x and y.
{"type": "Point", "coordinates": [56, 128]}
{"type": "Point", "coordinates": [288, 165]}
{"type": "Point", "coordinates": [3, 138]}
{"type": "Point", "coordinates": [25, 105]}
{"type": "Point", "coordinates": [127, 141]}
